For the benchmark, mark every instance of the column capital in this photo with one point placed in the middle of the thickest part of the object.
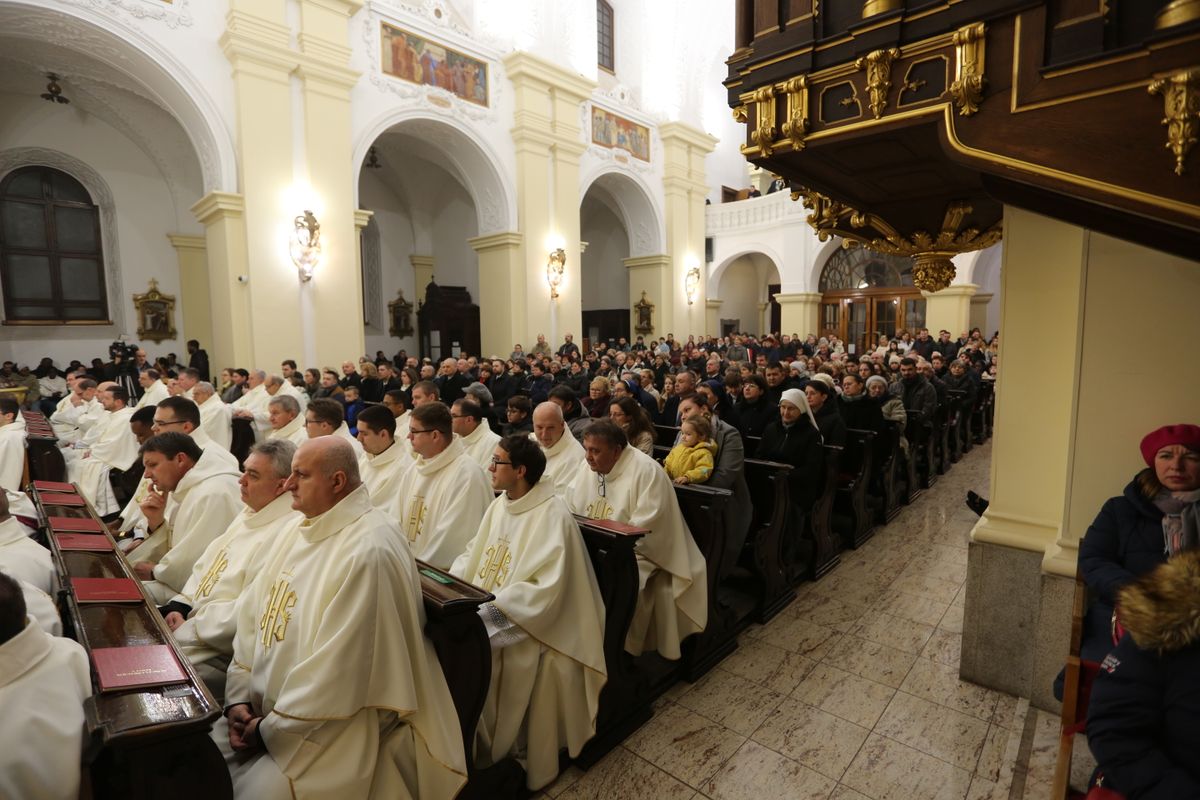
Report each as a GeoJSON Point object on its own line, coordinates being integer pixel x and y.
{"type": "Point", "coordinates": [713, 303]}
{"type": "Point", "coordinates": [524, 67]}
{"type": "Point", "coordinates": [982, 298]}
{"type": "Point", "coordinates": [673, 133]}
{"type": "Point", "coordinates": [420, 261]}
{"type": "Point", "coordinates": [216, 206]}
{"type": "Point", "coordinates": [496, 241]}
{"type": "Point", "coordinates": [784, 298]}
{"type": "Point", "coordinates": [639, 262]}
{"type": "Point", "coordinates": [182, 241]}
{"type": "Point", "coordinates": [362, 218]}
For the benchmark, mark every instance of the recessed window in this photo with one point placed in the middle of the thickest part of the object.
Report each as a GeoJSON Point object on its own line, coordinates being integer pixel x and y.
{"type": "Point", "coordinates": [51, 261]}
{"type": "Point", "coordinates": [604, 37]}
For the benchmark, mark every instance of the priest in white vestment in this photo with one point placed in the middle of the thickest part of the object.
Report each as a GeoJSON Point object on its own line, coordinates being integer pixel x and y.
{"type": "Point", "coordinates": [77, 412]}
{"type": "Point", "coordinates": [113, 447]}
{"type": "Point", "coordinates": [546, 625]}
{"type": "Point", "coordinates": [286, 421]}
{"type": "Point", "coordinates": [154, 391]}
{"type": "Point", "coordinates": [444, 493]}
{"type": "Point", "coordinates": [622, 483]}
{"type": "Point", "coordinates": [203, 616]}
{"type": "Point", "coordinates": [477, 436]}
{"type": "Point", "coordinates": [397, 402]}
{"type": "Point", "coordinates": [564, 453]}
{"type": "Point", "coordinates": [41, 609]}
{"type": "Point", "coordinates": [326, 417]}
{"type": "Point", "coordinates": [384, 460]}
{"type": "Point", "coordinates": [12, 445]}
{"type": "Point", "coordinates": [216, 418]}
{"type": "Point", "coordinates": [180, 415]}
{"type": "Point", "coordinates": [253, 404]}
{"type": "Point", "coordinates": [204, 499]}
{"type": "Point", "coordinates": [334, 690]}
{"type": "Point", "coordinates": [20, 556]}
{"type": "Point", "coordinates": [44, 681]}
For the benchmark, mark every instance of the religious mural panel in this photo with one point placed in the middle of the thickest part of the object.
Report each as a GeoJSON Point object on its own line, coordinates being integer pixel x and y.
{"type": "Point", "coordinates": [609, 130]}
{"type": "Point", "coordinates": [415, 59]}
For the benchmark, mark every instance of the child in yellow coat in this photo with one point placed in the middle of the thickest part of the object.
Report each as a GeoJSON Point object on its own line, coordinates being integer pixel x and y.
{"type": "Point", "coordinates": [691, 461]}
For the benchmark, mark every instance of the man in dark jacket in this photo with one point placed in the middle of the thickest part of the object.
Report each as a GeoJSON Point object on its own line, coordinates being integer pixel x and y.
{"type": "Point", "coordinates": [919, 394]}
{"type": "Point", "coordinates": [198, 359]}
{"type": "Point", "coordinates": [923, 346]}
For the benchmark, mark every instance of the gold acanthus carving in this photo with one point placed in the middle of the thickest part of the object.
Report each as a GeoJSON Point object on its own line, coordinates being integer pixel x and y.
{"type": "Point", "coordinates": [1181, 112]}
{"type": "Point", "coordinates": [739, 114]}
{"type": "Point", "coordinates": [932, 268]}
{"type": "Point", "coordinates": [878, 64]}
{"type": "Point", "coordinates": [967, 89]}
{"type": "Point", "coordinates": [797, 123]}
{"type": "Point", "coordinates": [764, 134]}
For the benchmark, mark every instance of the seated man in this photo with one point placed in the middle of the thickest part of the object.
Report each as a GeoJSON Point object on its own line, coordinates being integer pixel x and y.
{"type": "Point", "coordinates": [574, 414]}
{"type": "Point", "coordinates": [326, 417]}
{"type": "Point", "coordinates": [253, 404]}
{"type": "Point", "coordinates": [444, 493]}
{"type": "Point", "coordinates": [187, 381]}
{"type": "Point", "coordinates": [622, 483]}
{"type": "Point", "coordinates": [424, 393]}
{"type": "Point", "coordinates": [397, 401]}
{"type": "Point", "coordinates": [203, 616]}
{"type": "Point", "coordinates": [333, 690]}
{"type": "Point", "coordinates": [22, 557]}
{"type": "Point", "coordinates": [180, 415]}
{"type": "Point", "coordinates": [154, 391]}
{"type": "Point", "coordinates": [287, 423]}
{"type": "Point", "coordinates": [77, 412]}
{"type": "Point", "coordinates": [43, 684]}
{"type": "Point", "coordinates": [131, 519]}
{"type": "Point", "coordinates": [546, 625]}
{"type": "Point", "coordinates": [204, 500]}
{"type": "Point", "coordinates": [384, 460]}
{"type": "Point", "coordinates": [112, 446]}
{"type": "Point", "coordinates": [12, 445]}
{"type": "Point", "coordinates": [476, 434]}
{"type": "Point", "coordinates": [215, 416]}
{"type": "Point", "coordinates": [564, 453]}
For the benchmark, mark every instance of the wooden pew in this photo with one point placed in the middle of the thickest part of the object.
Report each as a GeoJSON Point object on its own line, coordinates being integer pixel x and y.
{"type": "Point", "coordinates": [141, 743]}
{"type": "Point", "coordinates": [243, 439]}
{"type": "Point", "coordinates": [703, 509]}
{"type": "Point", "coordinates": [943, 436]}
{"type": "Point", "coordinates": [852, 517]}
{"type": "Point", "coordinates": [768, 484]}
{"type": "Point", "coordinates": [611, 546]}
{"type": "Point", "coordinates": [957, 400]}
{"type": "Point", "coordinates": [44, 458]}
{"type": "Point", "coordinates": [918, 432]}
{"type": "Point", "coordinates": [887, 481]}
{"type": "Point", "coordinates": [826, 547]}
{"type": "Point", "coordinates": [981, 414]}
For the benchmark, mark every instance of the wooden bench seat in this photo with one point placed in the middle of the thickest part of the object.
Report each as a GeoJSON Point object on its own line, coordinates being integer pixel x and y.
{"type": "Point", "coordinates": [853, 519]}
{"type": "Point", "coordinates": [44, 458]}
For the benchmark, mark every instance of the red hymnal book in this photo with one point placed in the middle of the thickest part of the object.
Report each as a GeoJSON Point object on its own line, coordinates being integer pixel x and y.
{"type": "Point", "coordinates": [53, 486]}
{"type": "Point", "coordinates": [136, 667]}
{"type": "Point", "coordinates": [57, 499]}
{"type": "Point", "coordinates": [106, 590]}
{"type": "Point", "coordinates": [78, 524]}
{"type": "Point", "coordinates": [83, 541]}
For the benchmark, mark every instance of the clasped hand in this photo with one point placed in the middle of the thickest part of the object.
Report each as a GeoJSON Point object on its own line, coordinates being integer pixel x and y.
{"type": "Point", "coordinates": [243, 729]}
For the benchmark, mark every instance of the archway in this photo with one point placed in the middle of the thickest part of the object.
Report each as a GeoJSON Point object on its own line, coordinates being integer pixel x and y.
{"type": "Point", "coordinates": [866, 295]}
{"type": "Point", "coordinates": [746, 285]}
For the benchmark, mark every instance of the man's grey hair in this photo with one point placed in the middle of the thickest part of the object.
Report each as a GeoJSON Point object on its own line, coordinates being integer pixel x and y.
{"type": "Point", "coordinates": [279, 452]}
{"type": "Point", "coordinates": [274, 380]}
{"type": "Point", "coordinates": [340, 456]}
{"type": "Point", "coordinates": [286, 402]}
{"type": "Point", "coordinates": [204, 387]}
{"type": "Point", "coordinates": [258, 373]}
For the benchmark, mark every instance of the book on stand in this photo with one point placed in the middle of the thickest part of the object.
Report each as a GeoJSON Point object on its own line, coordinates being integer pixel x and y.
{"type": "Point", "coordinates": [119, 668]}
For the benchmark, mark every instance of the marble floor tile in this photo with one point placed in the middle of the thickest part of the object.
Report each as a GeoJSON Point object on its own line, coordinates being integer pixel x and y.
{"type": "Point", "coordinates": [944, 647]}
{"type": "Point", "coordinates": [1010, 711]}
{"type": "Point", "coordinates": [625, 775]}
{"type": "Point", "coordinates": [799, 636]}
{"type": "Point", "coordinates": [850, 589]}
{"type": "Point", "coordinates": [870, 660]}
{"type": "Point", "coordinates": [756, 772]}
{"type": "Point", "coordinates": [939, 570]}
{"type": "Point", "coordinates": [939, 683]}
{"type": "Point", "coordinates": [565, 780]}
{"type": "Point", "coordinates": [827, 611]}
{"type": "Point", "coordinates": [685, 745]}
{"type": "Point", "coordinates": [1043, 756]}
{"type": "Point", "coordinates": [893, 631]}
{"type": "Point", "coordinates": [935, 730]}
{"type": "Point", "coordinates": [809, 736]}
{"type": "Point", "coordinates": [844, 792]}
{"type": "Point", "coordinates": [911, 606]}
{"type": "Point", "coordinates": [991, 758]}
{"type": "Point", "coordinates": [928, 586]}
{"type": "Point", "coordinates": [762, 662]}
{"type": "Point", "coordinates": [952, 620]}
{"type": "Point", "coordinates": [844, 695]}
{"type": "Point", "coordinates": [953, 555]}
{"type": "Point", "coordinates": [983, 789]}
{"type": "Point", "coordinates": [731, 700]}
{"type": "Point", "coordinates": [885, 769]}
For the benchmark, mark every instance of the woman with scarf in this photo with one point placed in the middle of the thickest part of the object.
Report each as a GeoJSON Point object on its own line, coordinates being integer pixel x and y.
{"type": "Point", "coordinates": [794, 439]}
{"type": "Point", "coordinates": [822, 400]}
{"type": "Point", "coordinates": [720, 405]}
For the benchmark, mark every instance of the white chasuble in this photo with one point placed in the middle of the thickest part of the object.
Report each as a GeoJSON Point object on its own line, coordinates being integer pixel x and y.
{"type": "Point", "coordinates": [12, 454]}
{"type": "Point", "coordinates": [154, 395]}
{"type": "Point", "coordinates": [24, 559]}
{"type": "Point", "coordinates": [294, 431]}
{"type": "Point", "coordinates": [43, 683]}
{"type": "Point", "coordinates": [296, 392]}
{"type": "Point", "coordinates": [382, 475]}
{"type": "Point", "coordinates": [673, 601]}
{"type": "Point", "coordinates": [480, 444]}
{"type": "Point", "coordinates": [330, 650]}
{"type": "Point", "coordinates": [344, 432]}
{"type": "Point", "coordinates": [563, 459]}
{"type": "Point", "coordinates": [114, 447]}
{"type": "Point", "coordinates": [443, 500]}
{"type": "Point", "coordinates": [216, 420]}
{"type": "Point", "coordinates": [219, 578]}
{"type": "Point", "coordinates": [255, 401]}
{"type": "Point", "coordinates": [545, 686]}
{"type": "Point", "coordinates": [403, 423]}
{"type": "Point", "coordinates": [40, 609]}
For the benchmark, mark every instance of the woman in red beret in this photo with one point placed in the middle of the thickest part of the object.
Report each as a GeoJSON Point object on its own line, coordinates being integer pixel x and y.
{"type": "Point", "coordinates": [1156, 517]}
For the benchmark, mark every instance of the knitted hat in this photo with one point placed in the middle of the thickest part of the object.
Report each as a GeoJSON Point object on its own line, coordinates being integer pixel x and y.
{"type": "Point", "coordinates": [877, 379]}
{"type": "Point", "coordinates": [479, 392]}
{"type": "Point", "coordinates": [823, 378]}
{"type": "Point", "coordinates": [716, 386]}
{"type": "Point", "coordinates": [1186, 435]}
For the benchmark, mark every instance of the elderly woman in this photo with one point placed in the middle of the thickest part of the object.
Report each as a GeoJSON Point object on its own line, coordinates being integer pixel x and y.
{"type": "Point", "coordinates": [1155, 518]}
{"type": "Point", "coordinates": [598, 399]}
{"type": "Point", "coordinates": [633, 419]}
{"type": "Point", "coordinates": [794, 439]}
{"type": "Point", "coordinates": [890, 405]}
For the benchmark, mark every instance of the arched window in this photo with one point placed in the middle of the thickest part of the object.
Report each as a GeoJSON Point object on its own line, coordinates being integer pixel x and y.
{"type": "Point", "coordinates": [605, 37]}
{"type": "Point", "coordinates": [859, 268]}
{"type": "Point", "coordinates": [51, 261]}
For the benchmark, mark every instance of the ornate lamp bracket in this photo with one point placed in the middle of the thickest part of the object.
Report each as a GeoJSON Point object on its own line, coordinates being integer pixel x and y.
{"type": "Point", "coordinates": [797, 124]}
{"type": "Point", "coordinates": [1181, 109]}
{"type": "Point", "coordinates": [878, 64]}
{"type": "Point", "coordinates": [967, 88]}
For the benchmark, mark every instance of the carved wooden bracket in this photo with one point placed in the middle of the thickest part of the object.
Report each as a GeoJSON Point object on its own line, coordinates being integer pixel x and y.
{"type": "Point", "coordinates": [878, 64]}
{"type": "Point", "coordinates": [1181, 109]}
{"type": "Point", "coordinates": [967, 89]}
{"type": "Point", "coordinates": [797, 111]}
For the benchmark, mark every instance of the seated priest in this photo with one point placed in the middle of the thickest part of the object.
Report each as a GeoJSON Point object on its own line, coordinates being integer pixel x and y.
{"type": "Point", "coordinates": [154, 391]}
{"type": "Point", "coordinates": [333, 690]}
{"type": "Point", "coordinates": [398, 401]}
{"type": "Point", "coordinates": [12, 444]}
{"type": "Point", "coordinates": [20, 556]}
{"type": "Point", "coordinates": [253, 404]}
{"type": "Point", "coordinates": [44, 681]}
{"type": "Point", "coordinates": [327, 417]}
{"type": "Point", "coordinates": [180, 415]}
{"type": "Point", "coordinates": [77, 412]}
{"type": "Point", "coordinates": [476, 435]}
{"type": "Point", "coordinates": [287, 423]}
{"type": "Point", "coordinates": [110, 445]}
{"type": "Point", "coordinates": [203, 616]}
{"type": "Point", "coordinates": [546, 625]}
{"type": "Point", "coordinates": [564, 453]}
{"type": "Point", "coordinates": [215, 416]}
{"type": "Point", "coordinates": [204, 499]}
{"type": "Point", "coordinates": [622, 483]}
{"type": "Point", "coordinates": [131, 519]}
{"type": "Point", "coordinates": [384, 460]}
{"type": "Point", "coordinates": [444, 493]}
{"type": "Point", "coordinates": [187, 381]}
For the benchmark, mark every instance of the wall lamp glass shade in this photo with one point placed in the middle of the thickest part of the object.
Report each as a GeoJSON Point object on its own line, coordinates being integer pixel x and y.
{"type": "Point", "coordinates": [305, 246]}
{"type": "Point", "coordinates": [555, 264]}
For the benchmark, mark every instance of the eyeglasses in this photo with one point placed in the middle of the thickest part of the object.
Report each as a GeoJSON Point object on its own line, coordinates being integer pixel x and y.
{"type": "Point", "coordinates": [162, 423]}
{"type": "Point", "coordinates": [415, 431]}
{"type": "Point", "coordinates": [497, 462]}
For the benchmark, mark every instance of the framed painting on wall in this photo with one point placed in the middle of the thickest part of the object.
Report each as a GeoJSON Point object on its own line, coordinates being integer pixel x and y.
{"type": "Point", "coordinates": [416, 59]}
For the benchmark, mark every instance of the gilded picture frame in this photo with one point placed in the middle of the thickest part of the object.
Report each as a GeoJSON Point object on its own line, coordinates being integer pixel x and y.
{"type": "Point", "coordinates": [413, 58]}
{"type": "Point", "coordinates": [155, 314]}
{"type": "Point", "coordinates": [400, 313]}
{"type": "Point", "coordinates": [643, 316]}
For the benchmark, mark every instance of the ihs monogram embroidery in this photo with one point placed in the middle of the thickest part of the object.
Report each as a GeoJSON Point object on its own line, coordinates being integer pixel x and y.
{"type": "Point", "coordinates": [415, 523]}
{"type": "Point", "coordinates": [599, 509]}
{"type": "Point", "coordinates": [495, 572]}
{"type": "Point", "coordinates": [213, 575]}
{"type": "Point", "coordinates": [275, 619]}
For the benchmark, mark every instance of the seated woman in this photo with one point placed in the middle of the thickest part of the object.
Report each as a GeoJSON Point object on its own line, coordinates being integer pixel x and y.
{"type": "Point", "coordinates": [795, 439]}
{"type": "Point", "coordinates": [633, 419]}
{"type": "Point", "coordinates": [1144, 710]}
{"type": "Point", "coordinates": [824, 408]}
{"type": "Point", "coordinates": [1154, 519]}
{"type": "Point", "coordinates": [598, 399]}
{"type": "Point", "coordinates": [890, 404]}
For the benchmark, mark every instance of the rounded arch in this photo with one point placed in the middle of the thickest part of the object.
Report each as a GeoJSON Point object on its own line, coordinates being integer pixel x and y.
{"type": "Point", "coordinates": [633, 203]}
{"type": "Point", "coordinates": [158, 75]}
{"type": "Point", "coordinates": [460, 149]}
{"type": "Point", "coordinates": [826, 251]}
{"type": "Point", "coordinates": [715, 273]}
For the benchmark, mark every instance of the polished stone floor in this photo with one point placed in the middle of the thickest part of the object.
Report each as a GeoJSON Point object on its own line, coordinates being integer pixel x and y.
{"type": "Point", "coordinates": [851, 692]}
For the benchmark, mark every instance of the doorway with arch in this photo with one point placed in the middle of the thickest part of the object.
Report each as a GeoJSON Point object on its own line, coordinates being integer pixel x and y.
{"type": "Point", "coordinates": [866, 295]}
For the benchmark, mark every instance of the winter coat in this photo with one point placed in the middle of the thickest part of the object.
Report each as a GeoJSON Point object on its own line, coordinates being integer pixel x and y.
{"type": "Point", "coordinates": [1144, 712]}
{"type": "Point", "coordinates": [696, 463]}
{"type": "Point", "coordinates": [800, 446]}
{"type": "Point", "coordinates": [756, 416]}
{"type": "Point", "coordinates": [830, 423]}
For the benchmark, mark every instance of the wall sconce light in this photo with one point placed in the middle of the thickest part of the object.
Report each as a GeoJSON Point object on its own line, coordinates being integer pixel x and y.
{"type": "Point", "coordinates": [691, 284]}
{"type": "Point", "coordinates": [306, 244]}
{"type": "Point", "coordinates": [554, 270]}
